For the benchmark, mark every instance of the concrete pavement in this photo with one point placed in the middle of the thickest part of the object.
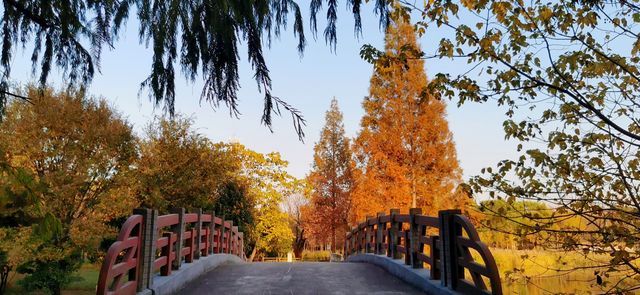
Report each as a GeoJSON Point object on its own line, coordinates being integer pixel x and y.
{"type": "Point", "coordinates": [299, 278]}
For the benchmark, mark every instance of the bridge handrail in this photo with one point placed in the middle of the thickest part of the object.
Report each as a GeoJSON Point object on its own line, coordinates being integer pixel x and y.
{"type": "Point", "coordinates": [127, 248]}
{"type": "Point", "coordinates": [148, 244]}
{"type": "Point", "coordinates": [450, 236]}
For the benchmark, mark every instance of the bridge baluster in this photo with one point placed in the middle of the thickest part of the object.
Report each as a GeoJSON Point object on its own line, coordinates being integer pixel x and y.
{"type": "Point", "coordinates": [449, 252]}
{"type": "Point", "coordinates": [368, 236]}
{"type": "Point", "coordinates": [198, 234]}
{"type": "Point", "coordinates": [416, 232]}
{"type": "Point", "coordinates": [178, 229]}
{"type": "Point", "coordinates": [393, 234]}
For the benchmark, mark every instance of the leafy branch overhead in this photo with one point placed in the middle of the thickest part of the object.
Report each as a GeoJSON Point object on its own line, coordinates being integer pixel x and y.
{"type": "Point", "coordinates": [566, 74]}
{"type": "Point", "coordinates": [202, 37]}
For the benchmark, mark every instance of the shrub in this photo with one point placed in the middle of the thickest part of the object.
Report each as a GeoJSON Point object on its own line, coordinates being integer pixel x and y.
{"type": "Point", "coordinates": [316, 255]}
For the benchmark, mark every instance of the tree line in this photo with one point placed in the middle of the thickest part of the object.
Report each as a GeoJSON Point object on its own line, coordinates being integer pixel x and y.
{"type": "Point", "coordinates": [72, 169]}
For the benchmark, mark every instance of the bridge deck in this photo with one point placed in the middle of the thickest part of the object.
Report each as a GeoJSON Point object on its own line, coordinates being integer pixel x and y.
{"type": "Point", "coordinates": [299, 278]}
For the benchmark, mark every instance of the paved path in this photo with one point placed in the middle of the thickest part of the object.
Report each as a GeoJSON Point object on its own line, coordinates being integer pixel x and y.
{"type": "Point", "coordinates": [299, 278]}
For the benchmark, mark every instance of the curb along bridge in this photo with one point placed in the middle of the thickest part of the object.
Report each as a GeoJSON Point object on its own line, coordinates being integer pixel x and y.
{"type": "Point", "coordinates": [200, 253]}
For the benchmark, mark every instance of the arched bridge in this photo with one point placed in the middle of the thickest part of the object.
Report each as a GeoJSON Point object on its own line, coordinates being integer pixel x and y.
{"type": "Point", "coordinates": [200, 253]}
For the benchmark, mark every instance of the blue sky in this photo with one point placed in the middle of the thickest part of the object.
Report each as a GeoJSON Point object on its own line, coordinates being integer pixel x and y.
{"type": "Point", "coordinates": [308, 83]}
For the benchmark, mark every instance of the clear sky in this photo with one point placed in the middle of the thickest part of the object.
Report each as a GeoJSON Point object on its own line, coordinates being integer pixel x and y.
{"type": "Point", "coordinates": [308, 83]}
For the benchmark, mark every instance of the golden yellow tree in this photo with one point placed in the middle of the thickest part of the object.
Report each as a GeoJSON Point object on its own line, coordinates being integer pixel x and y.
{"type": "Point", "coordinates": [405, 151]}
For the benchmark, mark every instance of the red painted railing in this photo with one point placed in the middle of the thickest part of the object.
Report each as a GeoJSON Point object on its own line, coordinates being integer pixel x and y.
{"type": "Point", "coordinates": [149, 244]}
{"type": "Point", "coordinates": [448, 237]}
{"type": "Point", "coordinates": [120, 268]}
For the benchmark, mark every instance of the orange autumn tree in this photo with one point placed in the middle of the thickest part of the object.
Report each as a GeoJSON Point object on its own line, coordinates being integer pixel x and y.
{"type": "Point", "coordinates": [404, 151]}
{"type": "Point", "coordinates": [331, 180]}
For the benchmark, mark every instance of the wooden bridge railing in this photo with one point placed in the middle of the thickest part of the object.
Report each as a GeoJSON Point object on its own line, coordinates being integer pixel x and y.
{"type": "Point", "coordinates": [149, 244]}
{"type": "Point", "coordinates": [448, 237]}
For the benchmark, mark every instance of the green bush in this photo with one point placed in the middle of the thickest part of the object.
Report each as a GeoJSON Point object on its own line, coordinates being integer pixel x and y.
{"type": "Point", "coordinates": [49, 275]}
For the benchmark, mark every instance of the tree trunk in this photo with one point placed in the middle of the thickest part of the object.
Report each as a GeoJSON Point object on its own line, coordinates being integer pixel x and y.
{"type": "Point", "coordinates": [333, 239]}
{"type": "Point", "coordinates": [414, 195]}
{"type": "Point", "coordinates": [253, 253]}
{"type": "Point", "coordinates": [298, 244]}
{"type": "Point", "coordinates": [4, 278]}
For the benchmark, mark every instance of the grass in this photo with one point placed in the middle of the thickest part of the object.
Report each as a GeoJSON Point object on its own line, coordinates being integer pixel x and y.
{"type": "Point", "coordinates": [537, 263]}
{"type": "Point", "coordinates": [89, 278]}
{"type": "Point", "coordinates": [316, 255]}
{"type": "Point", "coordinates": [536, 272]}
{"type": "Point", "coordinates": [86, 285]}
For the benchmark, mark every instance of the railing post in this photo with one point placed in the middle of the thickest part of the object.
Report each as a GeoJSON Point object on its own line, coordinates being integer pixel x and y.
{"type": "Point", "coordinates": [359, 235]}
{"type": "Point", "coordinates": [363, 238]}
{"type": "Point", "coordinates": [449, 232]}
{"type": "Point", "coordinates": [166, 252]}
{"type": "Point", "coordinates": [368, 236]}
{"type": "Point", "coordinates": [416, 233]}
{"type": "Point", "coordinates": [234, 230]}
{"type": "Point", "coordinates": [147, 247]}
{"type": "Point", "coordinates": [354, 238]}
{"type": "Point", "coordinates": [222, 239]}
{"type": "Point", "coordinates": [380, 227]}
{"type": "Point", "coordinates": [406, 235]}
{"type": "Point", "coordinates": [197, 253]}
{"type": "Point", "coordinates": [212, 232]}
{"type": "Point", "coordinates": [179, 230]}
{"type": "Point", "coordinates": [230, 240]}
{"type": "Point", "coordinates": [241, 246]}
{"type": "Point", "coordinates": [435, 255]}
{"type": "Point", "coordinates": [393, 234]}
{"type": "Point", "coordinates": [345, 251]}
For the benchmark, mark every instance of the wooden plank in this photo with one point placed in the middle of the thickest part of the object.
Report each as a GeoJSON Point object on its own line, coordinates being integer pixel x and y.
{"type": "Point", "coordinates": [427, 220]}
{"type": "Point", "coordinates": [474, 267]}
{"type": "Point", "coordinates": [424, 258]}
{"type": "Point", "coordinates": [402, 218]}
{"type": "Point", "coordinates": [167, 220]}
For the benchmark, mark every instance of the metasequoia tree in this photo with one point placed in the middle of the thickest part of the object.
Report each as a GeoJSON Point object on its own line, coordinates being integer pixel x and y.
{"type": "Point", "coordinates": [566, 74]}
{"type": "Point", "coordinates": [405, 150]}
{"type": "Point", "coordinates": [201, 37]}
{"type": "Point", "coordinates": [331, 178]}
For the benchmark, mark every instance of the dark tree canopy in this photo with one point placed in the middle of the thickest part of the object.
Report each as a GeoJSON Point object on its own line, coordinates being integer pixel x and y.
{"type": "Point", "coordinates": [202, 37]}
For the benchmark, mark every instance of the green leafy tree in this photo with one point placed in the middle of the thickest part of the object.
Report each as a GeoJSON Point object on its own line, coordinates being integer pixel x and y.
{"type": "Point", "coordinates": [179, 167]}
{"type": "Point", "coordinates": [19, 210]}
{"type": "Point", "coordinates": [267, 185]}
{"type": "Point", "coordinates": [50, 275]}
{"type": "Point", "coordinates": [566, 74]}
{"type": "Point", "coordinates": [66, 154]}
{"type": "Point", "coordinates": [237, 205]}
